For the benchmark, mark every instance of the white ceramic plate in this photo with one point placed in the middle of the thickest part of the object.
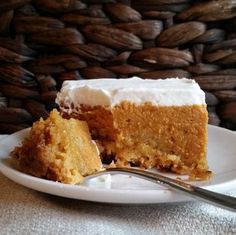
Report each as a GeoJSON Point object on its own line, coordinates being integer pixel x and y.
{"type": "Point", "coordinates": [131, 190]}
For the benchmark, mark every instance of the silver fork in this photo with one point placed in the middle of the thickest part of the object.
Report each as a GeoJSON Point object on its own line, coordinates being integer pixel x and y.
{"type": "Point", "coordinates": [216, 199]}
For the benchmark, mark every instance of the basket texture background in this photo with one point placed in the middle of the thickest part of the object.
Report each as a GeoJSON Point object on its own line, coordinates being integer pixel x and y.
{"type": "Point", "coordinates": [45, 42]}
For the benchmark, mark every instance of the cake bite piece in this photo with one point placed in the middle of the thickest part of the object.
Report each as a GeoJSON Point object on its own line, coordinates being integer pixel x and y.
{"type": "Point", "coordinates": [147, 123]}
{"type": "Point", "coordinates": [58, 149]}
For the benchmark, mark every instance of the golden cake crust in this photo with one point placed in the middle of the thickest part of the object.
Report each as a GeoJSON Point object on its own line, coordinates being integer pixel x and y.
{"type": "Point", "coordinates": [59, 150]}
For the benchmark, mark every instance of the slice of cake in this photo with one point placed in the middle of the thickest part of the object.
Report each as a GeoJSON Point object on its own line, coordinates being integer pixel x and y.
{"type": "Point", "coordinates": [59, 149]}
{"type": "Point", "coordinates": [146, 123]}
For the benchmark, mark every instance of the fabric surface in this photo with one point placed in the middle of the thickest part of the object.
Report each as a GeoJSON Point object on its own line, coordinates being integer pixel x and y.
{"type": "Point", "coordinates": [25, 211]}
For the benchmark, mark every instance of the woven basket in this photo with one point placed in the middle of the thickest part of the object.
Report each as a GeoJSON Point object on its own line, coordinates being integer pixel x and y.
{"type": "Point", "coordinates": [43, 43]}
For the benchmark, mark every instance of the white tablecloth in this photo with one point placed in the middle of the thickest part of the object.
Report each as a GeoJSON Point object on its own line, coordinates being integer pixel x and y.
{"type": "Point", "coordinates": [25, 211]}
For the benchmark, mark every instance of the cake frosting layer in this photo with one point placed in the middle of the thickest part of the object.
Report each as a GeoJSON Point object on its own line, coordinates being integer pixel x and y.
{"type": "Point", "coordinates": [110, 92]}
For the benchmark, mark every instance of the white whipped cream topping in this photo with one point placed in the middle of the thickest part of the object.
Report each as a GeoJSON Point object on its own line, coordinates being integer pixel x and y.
{"type": "Point", "coordinates": [110, 92]}
{"type": "Point", "coordinates": [103, 181]}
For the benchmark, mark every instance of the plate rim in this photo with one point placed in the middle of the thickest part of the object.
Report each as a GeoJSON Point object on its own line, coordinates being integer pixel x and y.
{"type": "Point", "coordinates": [177, 197]}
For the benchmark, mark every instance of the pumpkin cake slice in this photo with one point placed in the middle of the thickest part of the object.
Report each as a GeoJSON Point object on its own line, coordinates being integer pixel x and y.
{"type": "Point", "coordinates": [147, 123]}
{"type": "Point", "coordinates": [59, 149]}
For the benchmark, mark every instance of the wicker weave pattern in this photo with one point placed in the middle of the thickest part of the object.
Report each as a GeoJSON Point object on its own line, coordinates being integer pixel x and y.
{"type": "Point", "coordinates": [43, 43]}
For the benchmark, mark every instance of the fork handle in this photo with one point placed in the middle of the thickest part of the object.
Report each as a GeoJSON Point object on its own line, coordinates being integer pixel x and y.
{"type": "Point", "coordinates": [217, 199]}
